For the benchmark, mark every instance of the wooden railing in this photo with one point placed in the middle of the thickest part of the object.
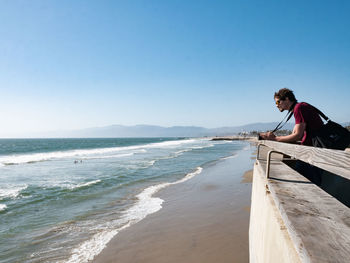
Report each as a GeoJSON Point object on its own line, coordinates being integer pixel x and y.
{"type": "Point", "coordinates": [317, 222]}
{"type": "Point", "coordinates": [334, 161]}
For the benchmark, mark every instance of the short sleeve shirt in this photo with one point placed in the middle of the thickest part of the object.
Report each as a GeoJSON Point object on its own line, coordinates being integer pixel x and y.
{"type": "Point", "coordinates": [305, 113]}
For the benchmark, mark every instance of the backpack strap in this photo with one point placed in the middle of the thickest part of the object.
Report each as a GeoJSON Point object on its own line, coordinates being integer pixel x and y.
{"type": "Point", "coordinates": [321, 114]}
{"type": "Point", "coordinates": [288, 116]}
{"type": "Point", "coordinates": [290, 113]}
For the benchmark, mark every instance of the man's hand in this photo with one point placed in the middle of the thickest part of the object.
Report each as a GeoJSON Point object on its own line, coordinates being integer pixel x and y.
{"type": "Point", "coordinates": [268, 136]}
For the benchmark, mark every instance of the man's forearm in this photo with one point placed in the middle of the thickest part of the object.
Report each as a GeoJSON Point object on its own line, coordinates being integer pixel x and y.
{"type": "Point", "coordinates": [289, 138]}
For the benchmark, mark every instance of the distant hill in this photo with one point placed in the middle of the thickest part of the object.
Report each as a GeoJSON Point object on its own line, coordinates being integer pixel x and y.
{"type": "Point", "coordinates": [154, 131]}
{"type": "Point", "coordinates": [114, 131]}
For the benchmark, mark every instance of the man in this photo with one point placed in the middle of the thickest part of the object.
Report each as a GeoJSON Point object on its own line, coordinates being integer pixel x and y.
{"type": "Point", "coordinates": [307, 121]}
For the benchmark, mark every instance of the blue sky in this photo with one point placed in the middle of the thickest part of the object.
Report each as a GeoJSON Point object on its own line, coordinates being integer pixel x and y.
{"type": "Point", "coordinates": [79, 64]}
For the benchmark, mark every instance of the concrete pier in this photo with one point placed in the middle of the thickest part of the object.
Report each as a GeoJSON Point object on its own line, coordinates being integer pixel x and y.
{"type": "Point", "coordinates": [293, 220]}
{"type": "Point", "coordinates": [269, 240]}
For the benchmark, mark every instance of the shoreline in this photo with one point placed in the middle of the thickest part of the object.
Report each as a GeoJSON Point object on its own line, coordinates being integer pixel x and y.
{"type": "Point", "coordinates": [204, 219]}
{"type": "Point", "coordinates": [235, 138]}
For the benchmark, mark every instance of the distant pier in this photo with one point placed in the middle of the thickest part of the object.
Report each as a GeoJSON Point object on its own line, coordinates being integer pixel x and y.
{"type": "Point", "coordinates": [234, 138]}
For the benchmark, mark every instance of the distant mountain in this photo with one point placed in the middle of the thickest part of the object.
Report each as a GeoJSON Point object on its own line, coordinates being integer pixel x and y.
{"type": "Point", "coordinates": [114, 131]}
{"type": "Point", "coordinates": [141, 131]}
{"type": "Point", "coordinates": [155, 131]}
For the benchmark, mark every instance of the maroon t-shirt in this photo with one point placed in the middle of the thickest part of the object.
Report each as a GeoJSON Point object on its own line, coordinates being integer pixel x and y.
{"type": "Point", "coordinates": [305, 113]}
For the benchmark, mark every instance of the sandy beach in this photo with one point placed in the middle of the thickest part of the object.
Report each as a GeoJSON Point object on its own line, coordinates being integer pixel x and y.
{"type": "Point", "coordinates": [203, 220]}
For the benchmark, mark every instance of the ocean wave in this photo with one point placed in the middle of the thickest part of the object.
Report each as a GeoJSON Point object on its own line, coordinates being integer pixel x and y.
{"type": "Point", "coordinates": [72, 187]}
{"type": "Point", "coordinates": [11, 191]}
{"type": "Point", "coordinates": [133, 165]}
{"type": "Point", "coordinates": [146, 205]}
{"type": "Point", "coordinates": [39, 157]}
{"type": "Point", "coordinates": [46, 156]}
{"type": "Point", "coordinates": [3, 207]}
{"type": "Point", "coordinates": [150, 163]}
{"type": "Point", "coordinates": [205, 146]}
{"type": "Point", "coordinates": [107, 156]}
{"type": "Point", "coordinates": [229, 157]}
{"type": "Point", "coordinates": [180, 152]}
{"type": "Point", "coordinates": [167, 144]}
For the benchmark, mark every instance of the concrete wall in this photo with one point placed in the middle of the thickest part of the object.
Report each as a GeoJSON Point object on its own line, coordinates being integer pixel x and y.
{"type": "Point", "coordinates": [269, 240]}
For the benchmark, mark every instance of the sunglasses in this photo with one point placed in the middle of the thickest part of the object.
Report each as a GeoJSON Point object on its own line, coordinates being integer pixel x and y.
{"type": "Point", "coordinates": [278, 102]}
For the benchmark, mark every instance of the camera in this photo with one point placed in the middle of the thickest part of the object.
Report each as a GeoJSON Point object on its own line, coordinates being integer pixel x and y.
{"type": "Point", "coordinates": [262, 135]}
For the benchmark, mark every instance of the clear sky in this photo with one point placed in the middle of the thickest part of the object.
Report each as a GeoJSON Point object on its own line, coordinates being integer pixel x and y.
{"type": "Point", "coordinates": [79, 64]}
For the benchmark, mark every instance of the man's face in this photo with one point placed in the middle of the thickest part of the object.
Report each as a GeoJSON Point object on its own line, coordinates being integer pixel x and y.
{"type": "Point", "coordinates": [282, 104]}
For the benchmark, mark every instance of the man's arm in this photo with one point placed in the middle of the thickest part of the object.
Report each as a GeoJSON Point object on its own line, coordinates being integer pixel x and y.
{"type": "Point", "coordinates": [297, 134]}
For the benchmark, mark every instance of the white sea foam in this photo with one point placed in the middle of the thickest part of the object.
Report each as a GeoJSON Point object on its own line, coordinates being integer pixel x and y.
{"type": "Point", "coordinates": [107, 156]}
{"type": "Point", "coordinates": [150, 163]}
{"type": "Point", "coordinates": [180, 152]}
{"type": "Point", "coordinates": [229, 157]}
{"type": "Point", "coordinates": [38, 157]}
{"type": "Point", "coordinates": [11, 191]}
{"type": "Point", "coordinates": [201, 147]}
{"type": "Point", "coordinates": [168, 144]}
{"type": "Point", "coordinates": [147, 204]}
{"type": "Point", "coordinates": [2, 207]}
{"type": "Point", "coordinates": [247, 147]}
{"type": "Point", "coordinates": [83, 184]}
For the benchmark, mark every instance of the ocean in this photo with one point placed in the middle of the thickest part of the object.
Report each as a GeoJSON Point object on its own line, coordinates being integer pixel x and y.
{"type": "Point", "coordinates": [63, 200]}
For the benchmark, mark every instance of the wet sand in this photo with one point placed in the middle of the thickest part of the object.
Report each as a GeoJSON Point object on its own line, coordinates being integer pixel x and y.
{"type": "Point", "coordinates": [204, 220]}
{"type": "Point", "coordinates": [247, 177]}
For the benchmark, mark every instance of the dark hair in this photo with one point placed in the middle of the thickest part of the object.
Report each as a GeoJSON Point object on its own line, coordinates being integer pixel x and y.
{"type": "Point", "coordinates": [284, 93]}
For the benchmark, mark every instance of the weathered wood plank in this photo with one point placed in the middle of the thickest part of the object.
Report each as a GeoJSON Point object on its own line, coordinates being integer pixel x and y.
{"type": "Point", "coordinates": [334, 161]}
{"type": "Point", "coordinates": [319, 225]}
